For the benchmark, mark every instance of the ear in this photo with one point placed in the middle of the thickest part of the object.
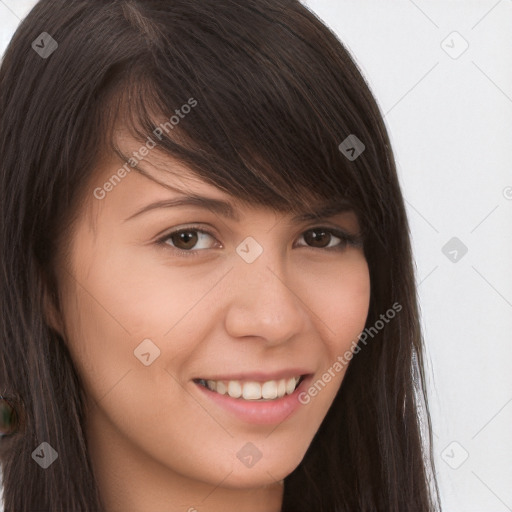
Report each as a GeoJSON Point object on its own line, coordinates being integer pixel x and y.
{"type": "Point", "coordinates": [52, 315]}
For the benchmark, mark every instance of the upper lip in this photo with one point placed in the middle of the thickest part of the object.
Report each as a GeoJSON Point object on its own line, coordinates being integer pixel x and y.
{"type": "Point", "coordinates": [260, 376]}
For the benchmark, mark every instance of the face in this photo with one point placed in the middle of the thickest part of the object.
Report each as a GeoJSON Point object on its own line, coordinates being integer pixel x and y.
{"type": "Point", "coordinates": [162, 302]}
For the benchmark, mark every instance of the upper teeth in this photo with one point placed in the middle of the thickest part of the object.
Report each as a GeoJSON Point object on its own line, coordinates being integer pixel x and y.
{"type": "Point", "coordinates": [252, 390]}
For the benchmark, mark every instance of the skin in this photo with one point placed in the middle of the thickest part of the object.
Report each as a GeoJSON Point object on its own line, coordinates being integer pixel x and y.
{"type": "Point", "coordinates": [155, 440]}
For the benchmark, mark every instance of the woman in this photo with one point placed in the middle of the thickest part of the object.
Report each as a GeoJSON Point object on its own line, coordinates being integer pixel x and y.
{"type": "Point", "coordinates": [208, 297]}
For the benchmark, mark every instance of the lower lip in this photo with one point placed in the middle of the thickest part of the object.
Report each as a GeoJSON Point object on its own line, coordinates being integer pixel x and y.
{"type": "Point", "coordinates": [259, 413]}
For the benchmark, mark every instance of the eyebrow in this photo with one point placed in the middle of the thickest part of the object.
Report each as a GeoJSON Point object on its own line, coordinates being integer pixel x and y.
{"type": "Point", "coordinates": [226, 209]}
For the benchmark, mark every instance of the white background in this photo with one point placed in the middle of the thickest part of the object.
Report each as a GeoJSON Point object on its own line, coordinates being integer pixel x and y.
{"type": "Point", "coordinates": [450, 122]}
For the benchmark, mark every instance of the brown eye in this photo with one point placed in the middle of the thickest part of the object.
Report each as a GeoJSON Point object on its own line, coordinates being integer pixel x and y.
{"type": "Point", "coordinates": [186, 240]}
{"type": "Point", "coordinates": [317, 237]}
{"type": "Point", "coordinates": [320, 238]}
{"type": "Point", "coordinates": [192, 241]}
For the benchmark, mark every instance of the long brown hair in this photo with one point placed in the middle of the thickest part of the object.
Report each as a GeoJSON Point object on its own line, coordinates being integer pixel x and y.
{"type": "Point", "coordinates": [276, 94]}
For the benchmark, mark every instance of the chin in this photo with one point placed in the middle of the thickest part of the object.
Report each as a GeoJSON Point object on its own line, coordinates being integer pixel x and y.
{"type": "Point", "coordinates": [262, 473]}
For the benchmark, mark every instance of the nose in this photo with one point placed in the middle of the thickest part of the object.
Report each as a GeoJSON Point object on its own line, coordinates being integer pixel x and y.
{"type": "Point", "coordinates": [262, 301]}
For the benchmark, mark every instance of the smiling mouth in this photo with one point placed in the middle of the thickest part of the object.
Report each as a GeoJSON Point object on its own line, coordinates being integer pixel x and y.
{"type": "Point", "coordinates": [253, 390]}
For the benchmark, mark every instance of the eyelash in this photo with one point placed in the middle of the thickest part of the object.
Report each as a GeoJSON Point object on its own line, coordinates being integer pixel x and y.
{"type": "Point", "coordinates": [346, 239]}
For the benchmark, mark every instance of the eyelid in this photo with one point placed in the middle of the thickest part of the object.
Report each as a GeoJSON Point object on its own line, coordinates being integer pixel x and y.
{"type": "Point", "coordinates": [355, 240]}
{"type": "Point", "coordinates": [183, 227]}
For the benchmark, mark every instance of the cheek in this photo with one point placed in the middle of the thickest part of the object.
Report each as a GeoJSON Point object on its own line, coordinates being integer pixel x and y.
{"type": "Point", "coordinates": [110, 306]}
{"type": "Point", "coordinates": [341, 300]}
{"type": "Point", "coordinates": [119, 298]}
{"type": "Point", "coordinates": [124, 293]}
{"type": "Point", "coordinates": [148, 295]}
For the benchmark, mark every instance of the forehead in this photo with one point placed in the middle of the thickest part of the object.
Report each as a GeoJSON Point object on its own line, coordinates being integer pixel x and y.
{"type": "Point", "coordinates": [165, 179]}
